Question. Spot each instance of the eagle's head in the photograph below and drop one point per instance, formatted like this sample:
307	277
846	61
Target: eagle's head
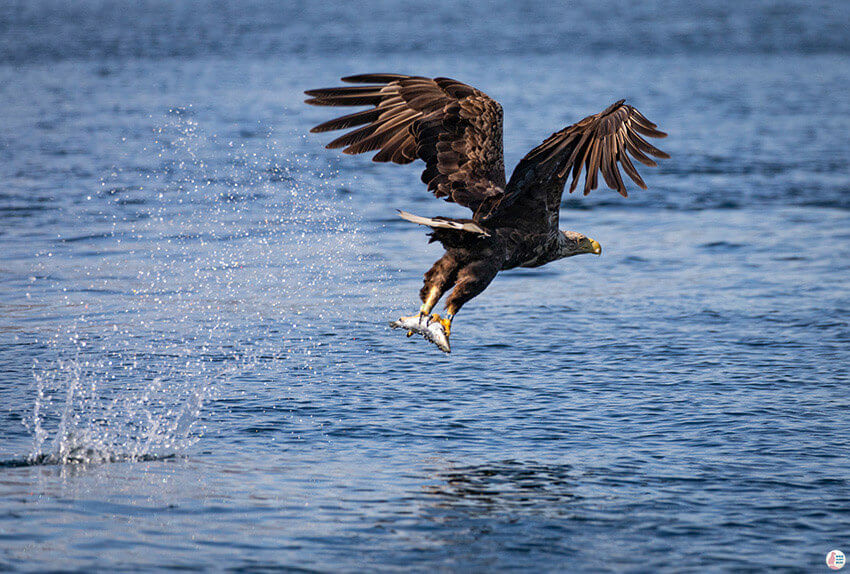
573	243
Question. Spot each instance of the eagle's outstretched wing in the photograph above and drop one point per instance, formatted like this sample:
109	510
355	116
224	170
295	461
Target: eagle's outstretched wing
598	143
454	128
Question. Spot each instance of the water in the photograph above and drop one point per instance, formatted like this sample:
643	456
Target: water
195	367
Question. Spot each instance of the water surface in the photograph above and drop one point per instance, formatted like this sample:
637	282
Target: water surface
195	367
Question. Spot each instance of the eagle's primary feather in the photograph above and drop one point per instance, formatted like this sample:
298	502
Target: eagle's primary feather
454	128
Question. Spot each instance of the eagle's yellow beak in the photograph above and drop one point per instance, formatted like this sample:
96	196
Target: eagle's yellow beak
596	249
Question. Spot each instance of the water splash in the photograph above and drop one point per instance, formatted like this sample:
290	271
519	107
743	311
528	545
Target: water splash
196	275
77	419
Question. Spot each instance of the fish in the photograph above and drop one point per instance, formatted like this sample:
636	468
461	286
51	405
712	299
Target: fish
428	327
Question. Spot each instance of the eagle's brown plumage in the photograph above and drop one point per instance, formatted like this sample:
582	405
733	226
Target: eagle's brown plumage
457	131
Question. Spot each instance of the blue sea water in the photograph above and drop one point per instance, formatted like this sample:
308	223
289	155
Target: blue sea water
196	371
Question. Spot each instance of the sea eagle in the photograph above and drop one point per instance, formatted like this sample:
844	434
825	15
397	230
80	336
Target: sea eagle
457	131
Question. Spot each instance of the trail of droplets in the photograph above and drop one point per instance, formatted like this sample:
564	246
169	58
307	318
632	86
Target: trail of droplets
188	285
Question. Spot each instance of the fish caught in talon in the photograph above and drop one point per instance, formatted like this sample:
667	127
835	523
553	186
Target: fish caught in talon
457	131
432	329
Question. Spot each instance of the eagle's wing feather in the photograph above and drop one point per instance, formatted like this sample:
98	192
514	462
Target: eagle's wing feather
598	143
454	128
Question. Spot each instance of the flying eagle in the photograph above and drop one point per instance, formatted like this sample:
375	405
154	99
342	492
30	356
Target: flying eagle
457	131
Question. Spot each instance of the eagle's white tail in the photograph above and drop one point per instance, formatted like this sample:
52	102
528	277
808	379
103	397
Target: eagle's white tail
444	223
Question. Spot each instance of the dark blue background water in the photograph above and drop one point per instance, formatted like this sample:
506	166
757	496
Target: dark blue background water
194	297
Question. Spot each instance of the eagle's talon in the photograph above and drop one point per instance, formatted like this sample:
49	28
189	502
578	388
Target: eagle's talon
447	325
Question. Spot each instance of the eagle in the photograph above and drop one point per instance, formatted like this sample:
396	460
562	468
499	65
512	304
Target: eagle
456	130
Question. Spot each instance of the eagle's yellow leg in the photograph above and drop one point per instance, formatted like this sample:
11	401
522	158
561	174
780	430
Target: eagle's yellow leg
447	322
430	301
